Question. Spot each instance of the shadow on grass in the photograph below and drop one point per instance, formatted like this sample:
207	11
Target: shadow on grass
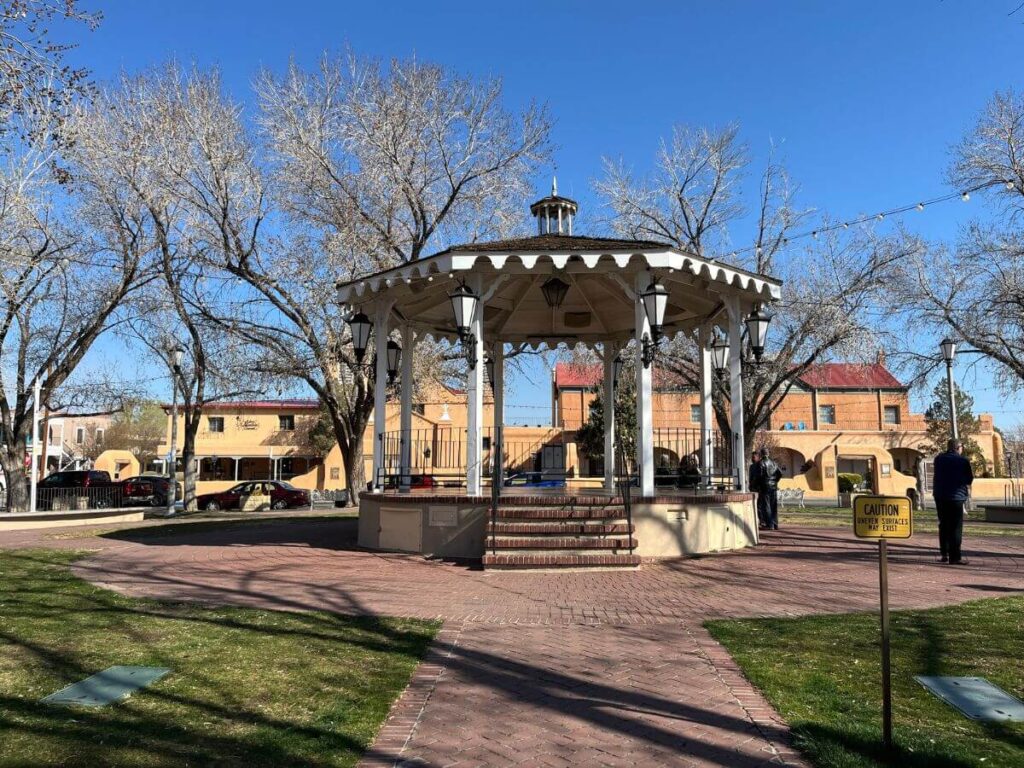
833	746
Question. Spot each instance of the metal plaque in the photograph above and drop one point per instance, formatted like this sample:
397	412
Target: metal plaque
882	517
975	697
110	685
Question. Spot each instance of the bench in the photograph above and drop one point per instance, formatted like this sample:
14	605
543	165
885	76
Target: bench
791	496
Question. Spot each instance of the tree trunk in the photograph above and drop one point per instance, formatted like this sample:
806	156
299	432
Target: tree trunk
188	450
355	476
13	462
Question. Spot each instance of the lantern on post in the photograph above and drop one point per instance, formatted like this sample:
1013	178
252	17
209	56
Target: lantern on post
655	301
361	327
617	364
394	359
720	353
757	331
464	307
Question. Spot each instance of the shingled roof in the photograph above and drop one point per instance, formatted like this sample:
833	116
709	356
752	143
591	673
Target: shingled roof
558	244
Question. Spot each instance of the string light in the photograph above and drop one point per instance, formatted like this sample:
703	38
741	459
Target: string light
966	196
920	206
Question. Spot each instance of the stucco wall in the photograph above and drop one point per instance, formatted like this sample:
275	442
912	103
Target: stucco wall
677	530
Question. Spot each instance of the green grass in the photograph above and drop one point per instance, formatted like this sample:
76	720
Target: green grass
924	521
248	687
822	673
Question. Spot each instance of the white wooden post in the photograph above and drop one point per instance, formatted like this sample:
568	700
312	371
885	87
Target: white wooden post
380	394
707	427
498	385
610	351
405	417
475	397
644	392
739	451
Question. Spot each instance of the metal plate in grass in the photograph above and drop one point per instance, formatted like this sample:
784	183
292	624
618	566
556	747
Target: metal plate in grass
976	697
110	685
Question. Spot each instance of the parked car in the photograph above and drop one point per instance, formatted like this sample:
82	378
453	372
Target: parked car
76	489
534	480
416	482
282	496
147	489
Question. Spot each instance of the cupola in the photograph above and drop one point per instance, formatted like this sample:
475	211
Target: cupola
554	214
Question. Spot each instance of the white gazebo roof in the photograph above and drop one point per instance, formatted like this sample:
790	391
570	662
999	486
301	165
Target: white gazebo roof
599	305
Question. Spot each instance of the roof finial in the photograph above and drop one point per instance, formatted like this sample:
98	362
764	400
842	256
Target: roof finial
554	186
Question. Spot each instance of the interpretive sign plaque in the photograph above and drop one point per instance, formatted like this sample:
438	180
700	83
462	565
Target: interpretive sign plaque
882	517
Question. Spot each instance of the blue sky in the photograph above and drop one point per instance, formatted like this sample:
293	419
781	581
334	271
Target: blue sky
863	98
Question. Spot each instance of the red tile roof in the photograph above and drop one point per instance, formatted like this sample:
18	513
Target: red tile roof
586	376
850	376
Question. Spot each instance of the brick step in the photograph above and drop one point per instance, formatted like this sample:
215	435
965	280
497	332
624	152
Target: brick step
512	561
559	513
558	501
567	543
558	528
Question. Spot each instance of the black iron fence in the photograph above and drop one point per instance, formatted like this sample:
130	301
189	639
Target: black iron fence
437	458
86	497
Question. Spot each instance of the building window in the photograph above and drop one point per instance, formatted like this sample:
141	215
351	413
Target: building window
485	443
419	408
286	421
335	473
826	414
99	437
891	414
79	435
216	423
695	414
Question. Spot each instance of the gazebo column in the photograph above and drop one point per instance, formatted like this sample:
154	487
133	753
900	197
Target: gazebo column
739	451
498	389
610	350
380	392
707	427
644	393
475	397
405	416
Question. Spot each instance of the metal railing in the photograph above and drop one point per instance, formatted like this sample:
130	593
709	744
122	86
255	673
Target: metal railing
86	497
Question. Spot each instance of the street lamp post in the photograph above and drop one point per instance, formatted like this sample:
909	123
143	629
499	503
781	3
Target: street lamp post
948	347
172	489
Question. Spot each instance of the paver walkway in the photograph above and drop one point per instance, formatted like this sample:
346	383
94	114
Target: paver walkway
556	669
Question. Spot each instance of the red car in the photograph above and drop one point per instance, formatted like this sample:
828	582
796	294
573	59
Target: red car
147	489
282	496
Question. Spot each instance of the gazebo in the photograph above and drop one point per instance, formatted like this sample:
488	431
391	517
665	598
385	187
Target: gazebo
555	288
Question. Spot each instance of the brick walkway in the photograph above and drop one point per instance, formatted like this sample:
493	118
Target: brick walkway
556	669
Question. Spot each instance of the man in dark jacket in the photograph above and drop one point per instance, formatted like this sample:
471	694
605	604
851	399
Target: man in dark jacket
754	483
769	489
951	489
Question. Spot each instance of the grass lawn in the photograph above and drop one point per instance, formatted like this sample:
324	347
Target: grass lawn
924	521
247	688
823	675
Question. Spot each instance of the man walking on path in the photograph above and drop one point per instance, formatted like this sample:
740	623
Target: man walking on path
768	486
952	486
754	483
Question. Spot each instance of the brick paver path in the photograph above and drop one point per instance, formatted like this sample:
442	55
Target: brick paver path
555	669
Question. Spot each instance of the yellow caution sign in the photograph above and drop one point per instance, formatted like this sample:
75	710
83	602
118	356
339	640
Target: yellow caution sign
882	517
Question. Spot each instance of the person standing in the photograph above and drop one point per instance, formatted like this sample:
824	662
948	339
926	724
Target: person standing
770	476
951	489
754	483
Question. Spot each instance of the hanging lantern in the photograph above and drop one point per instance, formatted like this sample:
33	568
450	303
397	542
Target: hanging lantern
655	300
394	358
554	291
361	326
464	303
617	364
720	352
489	368
757	331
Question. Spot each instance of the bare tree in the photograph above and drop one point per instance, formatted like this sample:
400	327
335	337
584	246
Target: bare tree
974	291
135	144
370	167
692	200
32	67
62	279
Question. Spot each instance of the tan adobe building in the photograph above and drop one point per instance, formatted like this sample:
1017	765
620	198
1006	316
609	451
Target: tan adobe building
837	418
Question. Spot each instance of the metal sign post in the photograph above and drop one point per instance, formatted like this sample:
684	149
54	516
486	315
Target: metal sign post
884	518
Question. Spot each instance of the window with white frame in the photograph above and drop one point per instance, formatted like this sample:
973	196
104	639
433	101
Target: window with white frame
215	423
891	414
695	413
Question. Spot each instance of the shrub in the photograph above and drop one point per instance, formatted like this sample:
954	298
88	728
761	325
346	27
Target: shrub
848	481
